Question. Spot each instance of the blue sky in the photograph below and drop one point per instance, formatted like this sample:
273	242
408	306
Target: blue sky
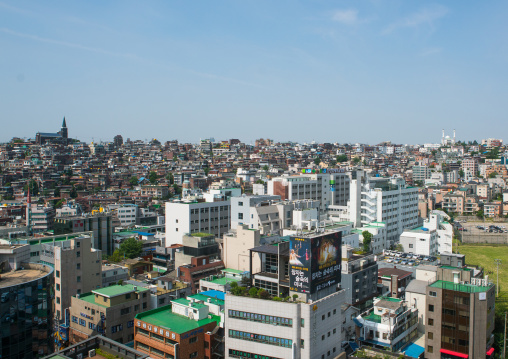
334	71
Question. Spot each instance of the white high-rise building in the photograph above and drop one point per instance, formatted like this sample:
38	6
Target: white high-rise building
192	217
385	200
331	189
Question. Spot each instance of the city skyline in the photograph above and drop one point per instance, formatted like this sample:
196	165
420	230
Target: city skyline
342	72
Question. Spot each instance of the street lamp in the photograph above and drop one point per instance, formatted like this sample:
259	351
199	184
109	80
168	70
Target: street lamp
498	263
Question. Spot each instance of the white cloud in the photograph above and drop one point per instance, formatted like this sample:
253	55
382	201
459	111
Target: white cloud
425	16
347	17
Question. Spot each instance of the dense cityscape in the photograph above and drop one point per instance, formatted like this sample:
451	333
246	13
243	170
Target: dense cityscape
222	249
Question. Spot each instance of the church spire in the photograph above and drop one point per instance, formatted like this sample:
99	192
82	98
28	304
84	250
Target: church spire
64	124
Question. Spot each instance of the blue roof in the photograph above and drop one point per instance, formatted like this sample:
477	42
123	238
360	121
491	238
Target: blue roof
357	322
214	294
141	179
144	233
354	346
414	351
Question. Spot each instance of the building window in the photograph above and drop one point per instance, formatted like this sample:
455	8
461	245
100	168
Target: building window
128	296
431	321
78	244
430	349
57	300
193	355
433	294
193	340
58	287
240	215
78	254
78	265
144	305
431	307
124	311
323	337
302	343
58	274
430	335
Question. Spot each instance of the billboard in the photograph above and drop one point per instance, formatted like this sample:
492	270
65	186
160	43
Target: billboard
314	263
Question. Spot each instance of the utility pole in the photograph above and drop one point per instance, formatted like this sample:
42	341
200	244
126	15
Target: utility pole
498	262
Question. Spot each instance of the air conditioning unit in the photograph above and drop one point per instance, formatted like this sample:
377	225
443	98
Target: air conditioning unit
91	353
79	356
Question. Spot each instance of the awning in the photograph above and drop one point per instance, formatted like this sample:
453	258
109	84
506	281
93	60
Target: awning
490	351
451	352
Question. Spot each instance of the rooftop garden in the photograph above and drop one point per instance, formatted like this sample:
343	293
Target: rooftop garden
201	234
254	292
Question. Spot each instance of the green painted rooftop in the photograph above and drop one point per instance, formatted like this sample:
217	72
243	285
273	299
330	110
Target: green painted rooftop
90	298
230	270
373	317
458	268
222	281
115	290
163	317
467	288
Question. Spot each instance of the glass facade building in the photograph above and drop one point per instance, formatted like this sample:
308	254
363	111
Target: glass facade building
26	312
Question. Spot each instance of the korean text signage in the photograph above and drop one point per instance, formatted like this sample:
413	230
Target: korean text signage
314	263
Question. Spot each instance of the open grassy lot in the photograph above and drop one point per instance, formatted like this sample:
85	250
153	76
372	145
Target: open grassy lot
483	255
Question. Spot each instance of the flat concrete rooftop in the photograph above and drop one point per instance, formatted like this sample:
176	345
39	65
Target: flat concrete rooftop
21	276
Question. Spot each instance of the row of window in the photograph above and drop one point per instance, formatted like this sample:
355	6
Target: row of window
240	354
260	318
265	339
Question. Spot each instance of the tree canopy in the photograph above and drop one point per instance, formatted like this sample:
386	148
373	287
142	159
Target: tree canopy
131	248
367	239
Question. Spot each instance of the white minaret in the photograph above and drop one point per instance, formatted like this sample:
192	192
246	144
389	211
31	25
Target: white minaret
442	139
453	136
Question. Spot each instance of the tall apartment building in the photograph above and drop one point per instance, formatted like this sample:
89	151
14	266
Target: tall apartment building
99	224
330	189
78	269
108	311
470	168
460	317
421	173
194	217
386	200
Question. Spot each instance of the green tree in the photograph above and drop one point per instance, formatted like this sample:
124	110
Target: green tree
367	239
260	181
170	178
479	214
461	173
152	177
34	187
493	175
57	192
207	170
131	248
263	294
399	248
115	257
317	161
341	158
133	181
253	292
332	163
356	160
73	193
266	168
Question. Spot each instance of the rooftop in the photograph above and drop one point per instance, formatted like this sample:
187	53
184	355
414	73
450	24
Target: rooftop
186	302
221	281
116	290
458	268
163	317
373	317
205	298
24	275
466	288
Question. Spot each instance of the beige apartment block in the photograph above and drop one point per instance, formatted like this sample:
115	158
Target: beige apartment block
108	311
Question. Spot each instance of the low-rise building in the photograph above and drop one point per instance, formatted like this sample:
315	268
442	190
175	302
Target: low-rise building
187	328
108	311
113	273
421	240
393	281
392	324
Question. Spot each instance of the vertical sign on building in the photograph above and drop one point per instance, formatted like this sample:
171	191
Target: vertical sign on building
314	262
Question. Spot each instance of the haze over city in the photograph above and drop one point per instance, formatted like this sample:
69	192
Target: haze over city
326	71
